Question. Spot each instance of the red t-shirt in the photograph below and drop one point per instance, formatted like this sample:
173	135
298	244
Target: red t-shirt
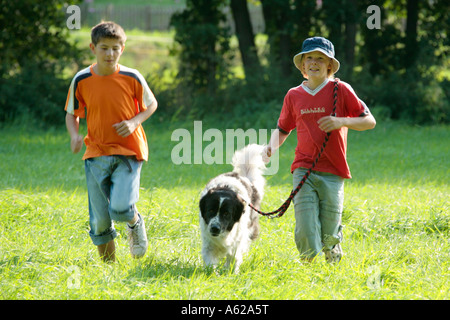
302	108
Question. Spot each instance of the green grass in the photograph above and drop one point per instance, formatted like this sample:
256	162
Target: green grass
395	240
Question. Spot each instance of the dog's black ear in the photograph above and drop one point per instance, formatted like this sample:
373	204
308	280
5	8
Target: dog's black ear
239	207
203	200
202	203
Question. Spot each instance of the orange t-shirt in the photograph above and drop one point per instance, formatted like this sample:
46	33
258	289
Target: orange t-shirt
107	100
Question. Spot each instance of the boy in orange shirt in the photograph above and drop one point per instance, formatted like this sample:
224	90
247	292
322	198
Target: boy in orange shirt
318	205
115	100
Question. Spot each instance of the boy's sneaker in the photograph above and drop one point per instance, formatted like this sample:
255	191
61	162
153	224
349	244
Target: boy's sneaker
332	249
137	238
334	255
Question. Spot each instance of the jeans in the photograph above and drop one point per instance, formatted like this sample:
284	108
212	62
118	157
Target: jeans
113	190
318	211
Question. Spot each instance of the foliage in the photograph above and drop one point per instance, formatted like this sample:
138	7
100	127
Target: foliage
400	69
203	45
287	26
36	94
35	50
409	82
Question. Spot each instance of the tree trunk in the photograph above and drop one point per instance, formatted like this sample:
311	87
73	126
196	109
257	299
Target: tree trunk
350	38
411	47
276	17
246	38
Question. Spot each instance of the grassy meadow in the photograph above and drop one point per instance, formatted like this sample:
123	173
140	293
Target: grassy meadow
395	240
396	217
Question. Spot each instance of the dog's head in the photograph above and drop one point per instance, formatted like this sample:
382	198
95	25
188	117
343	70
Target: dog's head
220	209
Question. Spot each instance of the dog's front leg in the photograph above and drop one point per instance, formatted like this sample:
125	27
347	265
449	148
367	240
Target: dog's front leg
209	259
234	260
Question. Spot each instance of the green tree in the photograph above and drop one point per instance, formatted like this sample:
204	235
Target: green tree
35	50
246	38
407	60
288	23
341	19
203	45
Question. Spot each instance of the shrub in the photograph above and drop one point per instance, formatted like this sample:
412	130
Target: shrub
35	94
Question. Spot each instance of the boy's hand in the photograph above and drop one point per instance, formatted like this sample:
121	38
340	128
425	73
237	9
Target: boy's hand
266	154
329	123
76	143
125	128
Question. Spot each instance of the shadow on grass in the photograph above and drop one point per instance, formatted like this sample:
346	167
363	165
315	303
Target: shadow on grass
176	269
173	268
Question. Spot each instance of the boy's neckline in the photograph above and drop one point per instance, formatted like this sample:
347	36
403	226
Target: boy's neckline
317	89
117	69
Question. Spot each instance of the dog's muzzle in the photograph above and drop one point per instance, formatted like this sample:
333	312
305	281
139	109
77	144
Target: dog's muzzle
214	229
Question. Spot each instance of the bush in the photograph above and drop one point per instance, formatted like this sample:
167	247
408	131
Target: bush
235	103
35	50
202	45
35	94
405	96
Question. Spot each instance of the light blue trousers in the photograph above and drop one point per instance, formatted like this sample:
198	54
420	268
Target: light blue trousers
318	211
113	189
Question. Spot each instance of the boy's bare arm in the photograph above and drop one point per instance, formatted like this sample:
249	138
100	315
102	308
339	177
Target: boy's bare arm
76	140
330	123
127	127
276	140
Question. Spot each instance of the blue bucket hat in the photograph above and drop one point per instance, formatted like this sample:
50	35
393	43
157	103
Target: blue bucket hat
317	44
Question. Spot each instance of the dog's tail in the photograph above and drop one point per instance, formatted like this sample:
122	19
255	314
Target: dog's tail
248	162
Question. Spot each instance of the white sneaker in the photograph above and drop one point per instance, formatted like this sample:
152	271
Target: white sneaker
334	255
137	238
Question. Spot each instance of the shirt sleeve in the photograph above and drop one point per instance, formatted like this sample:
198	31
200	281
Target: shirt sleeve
366	111
147	97
74	103
353	106
286	121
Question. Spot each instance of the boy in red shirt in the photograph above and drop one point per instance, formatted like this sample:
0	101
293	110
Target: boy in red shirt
318	205
115	100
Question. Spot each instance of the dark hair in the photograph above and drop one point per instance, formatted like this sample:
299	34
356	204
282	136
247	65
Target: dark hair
107	29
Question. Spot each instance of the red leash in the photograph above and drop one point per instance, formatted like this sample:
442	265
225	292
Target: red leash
281	210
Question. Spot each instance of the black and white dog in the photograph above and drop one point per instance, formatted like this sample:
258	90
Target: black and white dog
227	224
